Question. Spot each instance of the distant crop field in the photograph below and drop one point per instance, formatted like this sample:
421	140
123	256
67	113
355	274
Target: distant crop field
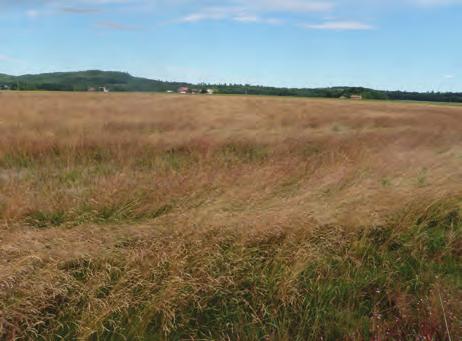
168	217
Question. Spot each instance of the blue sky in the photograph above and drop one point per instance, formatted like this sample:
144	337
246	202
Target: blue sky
383	44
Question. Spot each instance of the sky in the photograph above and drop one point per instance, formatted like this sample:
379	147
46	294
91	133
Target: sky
382	44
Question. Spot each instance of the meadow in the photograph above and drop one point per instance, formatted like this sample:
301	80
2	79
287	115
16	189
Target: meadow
168	217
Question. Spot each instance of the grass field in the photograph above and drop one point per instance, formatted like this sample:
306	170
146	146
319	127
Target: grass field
166	217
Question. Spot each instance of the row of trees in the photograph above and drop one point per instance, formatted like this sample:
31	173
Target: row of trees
119	81
337	92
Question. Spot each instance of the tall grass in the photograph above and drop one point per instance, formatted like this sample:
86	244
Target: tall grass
147	217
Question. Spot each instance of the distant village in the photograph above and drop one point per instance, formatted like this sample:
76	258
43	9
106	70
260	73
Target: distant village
100	89
184	90
181	90
355	97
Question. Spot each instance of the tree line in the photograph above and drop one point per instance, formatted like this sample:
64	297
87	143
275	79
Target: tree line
124	82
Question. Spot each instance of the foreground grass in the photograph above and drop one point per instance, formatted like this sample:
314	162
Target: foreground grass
223	218
401	280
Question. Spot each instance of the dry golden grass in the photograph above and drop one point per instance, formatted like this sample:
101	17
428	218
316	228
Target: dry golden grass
184	217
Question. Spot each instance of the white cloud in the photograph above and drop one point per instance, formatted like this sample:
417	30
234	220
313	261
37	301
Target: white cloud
339	26
32	13
256	19
242	11
211	13
288	5
256	10
232	14
449	76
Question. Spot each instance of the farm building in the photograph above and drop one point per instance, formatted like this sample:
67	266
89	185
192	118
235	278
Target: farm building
183	90
356	97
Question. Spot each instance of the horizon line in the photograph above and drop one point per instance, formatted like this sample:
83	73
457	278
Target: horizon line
233	83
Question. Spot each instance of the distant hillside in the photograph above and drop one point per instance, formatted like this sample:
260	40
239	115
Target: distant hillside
83	80
120	81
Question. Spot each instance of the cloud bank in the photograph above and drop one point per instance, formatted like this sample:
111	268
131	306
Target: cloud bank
307	14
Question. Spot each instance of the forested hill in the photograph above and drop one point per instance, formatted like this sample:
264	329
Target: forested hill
119	81
84	80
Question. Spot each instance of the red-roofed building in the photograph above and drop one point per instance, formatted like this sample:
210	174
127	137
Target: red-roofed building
183	90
